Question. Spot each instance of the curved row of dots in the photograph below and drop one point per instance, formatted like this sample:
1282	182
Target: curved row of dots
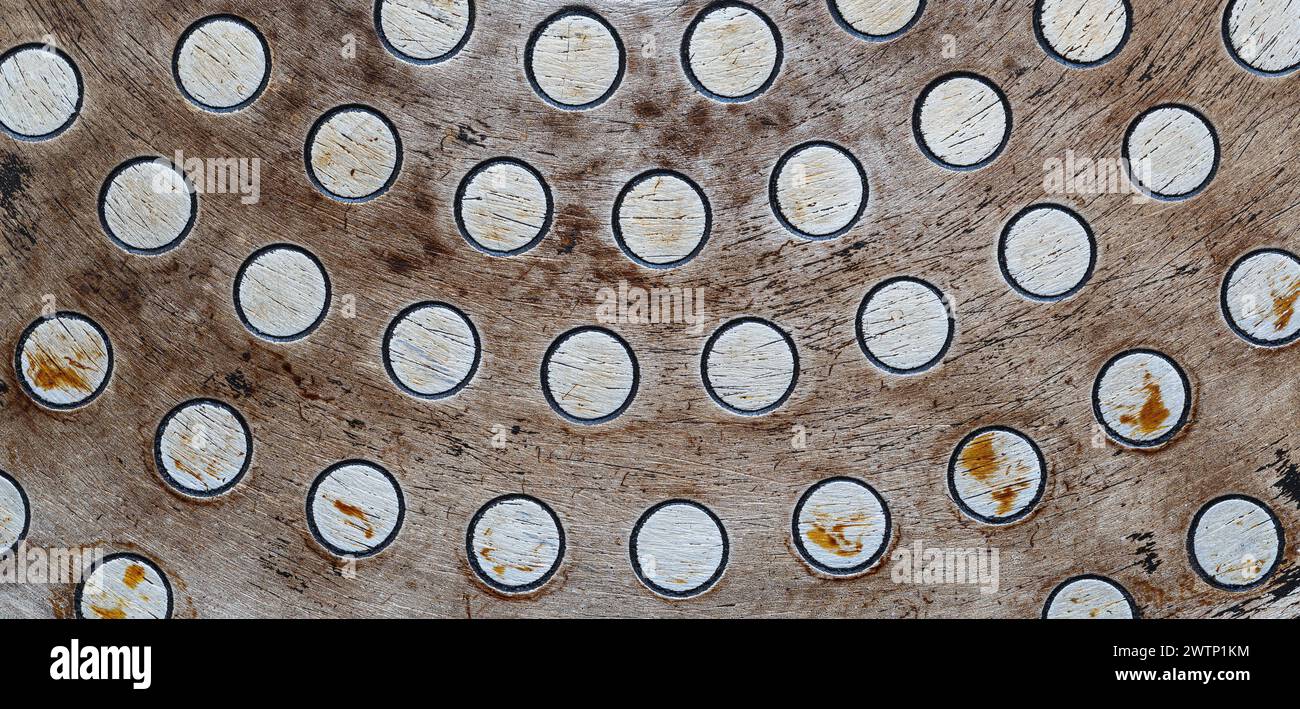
514	544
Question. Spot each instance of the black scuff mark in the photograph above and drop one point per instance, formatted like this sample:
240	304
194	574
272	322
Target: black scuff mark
1148	559
1288	472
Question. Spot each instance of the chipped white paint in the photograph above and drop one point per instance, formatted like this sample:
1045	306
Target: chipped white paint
431	350
355	508
575	59
1235	542
1261	297
125	586
354	153
877	19
222	63
749	366
1141	398
515	543
841	527
40	92
15	513
147	206
503	207
590	375
1172	152
1046	252
661	219
1088	597
203	448
818	190
962	121
904	326
65	360
678	549
732	50
1083	32
281	293
1264	34
424	31
996	475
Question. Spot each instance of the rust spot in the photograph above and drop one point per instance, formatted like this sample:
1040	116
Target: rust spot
1153	413
109	613
1006	496
1284	305
133	575
647	109
498	568
830	534
48	373
984	462
356	513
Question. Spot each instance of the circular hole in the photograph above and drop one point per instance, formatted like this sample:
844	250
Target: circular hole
503	207
876	20
996	475
661	219
1082	33
574	59
1142	398
203	448
1090	596
147	206
590	375
731	52
904	325
431	350
124	586
1263	36
222	63
679	548
282	293
749	366
15	514
355	508
515	543
1260	296
962	121
1235	542
63	361
818	190
40	92
424	31
1047	252
1171	152
841	526
353	153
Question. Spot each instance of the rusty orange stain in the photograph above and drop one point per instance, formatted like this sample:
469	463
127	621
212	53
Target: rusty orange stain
47	373
1153	413
109	613
133	575
1006	496
1284	305
829	534
983	461
356	513
499	568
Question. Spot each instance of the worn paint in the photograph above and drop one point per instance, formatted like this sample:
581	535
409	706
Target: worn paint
355	508
590	374
354	153
1082	31
818	189
877	18
65	360
1087	598
575	59
904	325
125	586
282	292
221	62
962	120
516	543
40	93
996	475
732	50
1141	397
1046	252
841	526
679	549
431	350
1172	152
147	205
424	31
1264	34
750	366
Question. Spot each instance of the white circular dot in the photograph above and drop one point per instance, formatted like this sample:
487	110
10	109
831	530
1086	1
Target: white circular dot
431	350
1261	297
15	514
503	207
125	586
424	31
589	375
731	51
679	549
1263	35
222	63
841	527
515	543
281	293
749	366
1082	32
661	219
355	508
1089	597
64	361
203	448
877	20
353	153
1141	398
1046	252
996	475
574	59
903	325
1235	542
1171	151
818	190
962	121
40	92
147	206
